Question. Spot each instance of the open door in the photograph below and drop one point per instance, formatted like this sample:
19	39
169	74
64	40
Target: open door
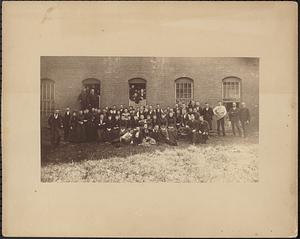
137	92
92	84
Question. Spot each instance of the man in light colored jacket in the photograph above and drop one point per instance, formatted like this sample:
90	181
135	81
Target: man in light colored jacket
220	112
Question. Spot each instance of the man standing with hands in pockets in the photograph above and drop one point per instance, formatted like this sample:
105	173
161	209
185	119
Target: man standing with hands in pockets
220	112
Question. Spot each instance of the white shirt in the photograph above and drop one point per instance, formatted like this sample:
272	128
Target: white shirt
220	111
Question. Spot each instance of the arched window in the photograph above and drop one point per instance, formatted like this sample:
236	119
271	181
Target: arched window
184	88
92	84
47	98
231	89
137	91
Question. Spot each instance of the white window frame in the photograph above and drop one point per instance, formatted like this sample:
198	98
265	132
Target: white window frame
232	79
183	80
47	95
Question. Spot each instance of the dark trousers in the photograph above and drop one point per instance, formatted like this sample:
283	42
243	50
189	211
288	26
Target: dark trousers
203	138
55	136
209	121
194	136
101	135
235	124
66	132
221	123
244	127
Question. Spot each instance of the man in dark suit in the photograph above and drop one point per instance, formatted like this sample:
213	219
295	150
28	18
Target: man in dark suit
198	108
93	100
66	124
244	118
192	104
109	128
55	123
193	126
83	99
196	113
234	117
121	109
203	130
101	124
208	113
158	111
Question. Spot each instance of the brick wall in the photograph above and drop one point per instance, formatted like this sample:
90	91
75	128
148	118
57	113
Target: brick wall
160	74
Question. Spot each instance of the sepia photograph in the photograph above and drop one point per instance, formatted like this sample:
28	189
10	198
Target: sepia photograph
149	119
168	119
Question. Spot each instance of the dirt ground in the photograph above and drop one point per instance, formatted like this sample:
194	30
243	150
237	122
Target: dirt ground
222	159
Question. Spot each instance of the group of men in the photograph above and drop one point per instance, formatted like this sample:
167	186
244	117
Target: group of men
136	93
146	124
88	99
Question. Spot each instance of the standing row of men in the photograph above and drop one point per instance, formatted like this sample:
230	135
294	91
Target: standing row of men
152	125
236	115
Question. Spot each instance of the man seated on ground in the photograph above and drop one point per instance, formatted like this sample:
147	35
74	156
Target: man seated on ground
193	126
142	120
203	130
146	134
167	136
116	127
155	121
156	134
126	135
109	128
172	127
134	122
123	137
137	137
183	131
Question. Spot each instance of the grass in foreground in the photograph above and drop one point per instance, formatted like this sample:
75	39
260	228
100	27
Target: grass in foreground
226	159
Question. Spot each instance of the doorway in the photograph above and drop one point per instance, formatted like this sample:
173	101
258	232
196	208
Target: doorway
93	86
137	92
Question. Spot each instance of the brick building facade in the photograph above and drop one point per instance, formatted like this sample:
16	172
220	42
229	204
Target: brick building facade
209	79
